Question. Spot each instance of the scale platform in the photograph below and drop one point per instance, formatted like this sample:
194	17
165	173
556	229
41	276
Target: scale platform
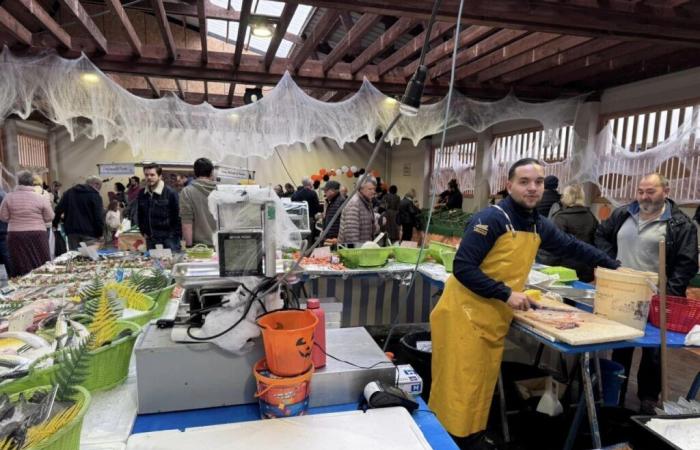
177	377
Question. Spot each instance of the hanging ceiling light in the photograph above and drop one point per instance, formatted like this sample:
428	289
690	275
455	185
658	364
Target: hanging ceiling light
89	78
261	26
252	95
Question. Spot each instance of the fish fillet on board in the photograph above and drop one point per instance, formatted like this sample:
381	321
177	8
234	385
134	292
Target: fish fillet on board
574	326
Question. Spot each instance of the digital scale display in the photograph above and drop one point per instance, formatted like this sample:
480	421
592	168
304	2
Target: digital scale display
240	253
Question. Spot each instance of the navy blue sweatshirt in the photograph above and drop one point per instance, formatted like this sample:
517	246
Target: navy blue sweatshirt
475	246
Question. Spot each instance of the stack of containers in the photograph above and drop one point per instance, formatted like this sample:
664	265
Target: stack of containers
284	375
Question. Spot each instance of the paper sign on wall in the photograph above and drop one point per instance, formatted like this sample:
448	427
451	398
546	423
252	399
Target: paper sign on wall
116	169
407	169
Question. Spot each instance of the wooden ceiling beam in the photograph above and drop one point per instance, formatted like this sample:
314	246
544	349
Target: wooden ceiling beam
131	36
554	73
399	28
87	23
466	38
558	60
242	27
346	21
216	100
280	29
325	25
363	25
180	91
539	15
505	53
231	92
488	45
553	47
40	14
203	30
413	46
154	89
16	29
164	26
337	96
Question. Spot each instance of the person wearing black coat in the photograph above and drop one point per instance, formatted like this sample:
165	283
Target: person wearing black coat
83	213
578	220
333	201
308	195
409	215
550	196
159	211
631	234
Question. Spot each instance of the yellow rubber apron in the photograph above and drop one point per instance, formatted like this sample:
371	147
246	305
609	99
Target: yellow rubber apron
468	334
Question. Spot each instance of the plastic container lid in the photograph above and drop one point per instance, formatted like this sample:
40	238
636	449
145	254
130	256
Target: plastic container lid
312	303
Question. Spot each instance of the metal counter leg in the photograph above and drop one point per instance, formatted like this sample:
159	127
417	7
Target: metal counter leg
598	377
504	416
590	399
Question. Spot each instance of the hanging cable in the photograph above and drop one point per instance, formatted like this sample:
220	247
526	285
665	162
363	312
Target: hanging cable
283	165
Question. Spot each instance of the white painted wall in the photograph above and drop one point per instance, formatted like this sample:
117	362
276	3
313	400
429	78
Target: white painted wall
410	168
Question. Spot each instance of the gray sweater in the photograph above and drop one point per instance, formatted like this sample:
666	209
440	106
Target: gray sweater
194	209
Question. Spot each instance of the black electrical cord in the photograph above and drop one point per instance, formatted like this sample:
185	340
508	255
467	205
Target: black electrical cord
348	362
433	186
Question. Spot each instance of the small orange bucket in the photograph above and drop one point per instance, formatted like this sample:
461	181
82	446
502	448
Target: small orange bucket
288	337
281	396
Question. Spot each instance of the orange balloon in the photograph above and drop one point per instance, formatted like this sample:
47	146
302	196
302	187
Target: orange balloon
322	172
375	173
332	173
349	174
314	177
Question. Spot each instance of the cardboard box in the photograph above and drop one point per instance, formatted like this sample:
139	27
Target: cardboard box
408	380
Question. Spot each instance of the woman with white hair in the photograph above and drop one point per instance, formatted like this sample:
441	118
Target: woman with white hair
26	214
576	218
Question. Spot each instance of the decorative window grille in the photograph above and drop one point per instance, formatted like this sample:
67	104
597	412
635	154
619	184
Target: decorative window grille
456	161
33	152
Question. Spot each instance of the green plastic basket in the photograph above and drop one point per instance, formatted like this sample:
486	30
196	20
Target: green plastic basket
365	257
161	298
68	437
565	274
149	313
436	248
200	251
409	255
448	259
109	365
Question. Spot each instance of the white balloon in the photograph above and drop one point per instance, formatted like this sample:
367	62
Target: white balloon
344	169
353	168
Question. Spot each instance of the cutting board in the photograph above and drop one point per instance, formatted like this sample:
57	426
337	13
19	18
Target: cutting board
590	329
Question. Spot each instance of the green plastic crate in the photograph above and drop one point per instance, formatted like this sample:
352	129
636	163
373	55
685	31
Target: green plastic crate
68	437
409	255
365	257
448	259
161	298
565	274
436	248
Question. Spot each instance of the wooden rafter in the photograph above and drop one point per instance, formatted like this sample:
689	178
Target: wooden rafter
554	47
346	20
203	33
180	91
47	22
491	43
231	91
164	26
363	25
153	87
16	29
560	59
87	23
327	23
504	53
594	19
466	38
206	91
337	96
413	47
280	30
394	32
216	100
242	26
131	36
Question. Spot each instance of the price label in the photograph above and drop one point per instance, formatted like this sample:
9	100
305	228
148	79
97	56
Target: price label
160	253
321	252
410	244
90	252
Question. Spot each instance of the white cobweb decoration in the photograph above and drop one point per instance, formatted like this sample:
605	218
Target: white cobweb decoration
74	93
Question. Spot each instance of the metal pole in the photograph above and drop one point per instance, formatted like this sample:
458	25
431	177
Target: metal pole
590	400
662	302
502	401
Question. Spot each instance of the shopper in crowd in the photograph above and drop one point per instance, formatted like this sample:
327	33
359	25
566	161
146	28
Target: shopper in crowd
55	191
4	254
550	197
357	224
576	218
631	235
470	322
308	195
26	215
696	217
159	211
39	188
452	197
198	225
112	219
279	191
344	191
83	213
333	202
391	205
288	190
120	194
133	188
409	215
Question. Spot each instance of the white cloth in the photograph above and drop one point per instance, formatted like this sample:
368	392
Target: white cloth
693	337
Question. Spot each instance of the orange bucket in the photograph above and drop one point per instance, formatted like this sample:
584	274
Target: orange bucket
281	396
288	336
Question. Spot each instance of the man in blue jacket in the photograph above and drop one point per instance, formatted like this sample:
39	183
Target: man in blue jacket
159	211
470	322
